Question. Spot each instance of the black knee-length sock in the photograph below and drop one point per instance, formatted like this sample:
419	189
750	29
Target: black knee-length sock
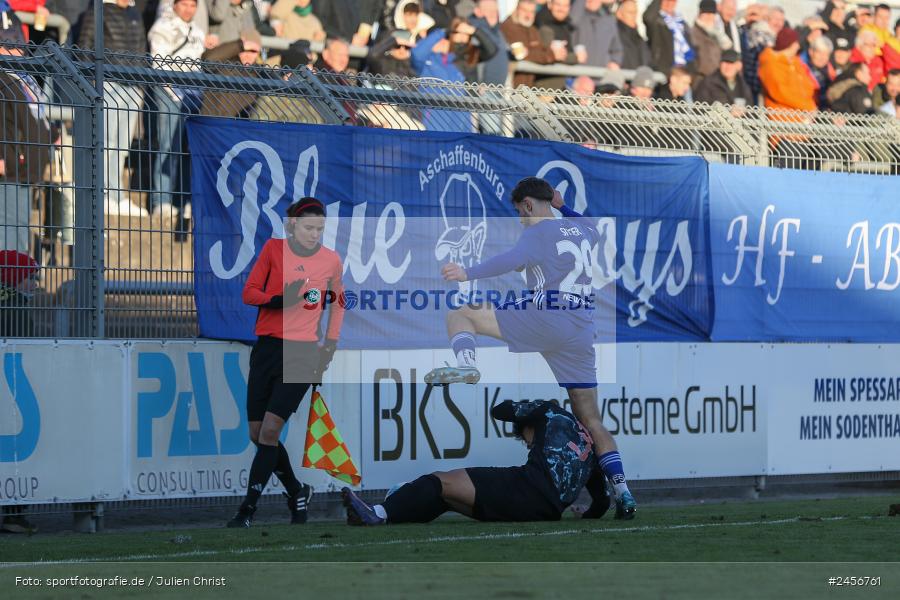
260	471
285	472
418	501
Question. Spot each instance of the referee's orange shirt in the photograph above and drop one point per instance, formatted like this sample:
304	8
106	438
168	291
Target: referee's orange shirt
278	266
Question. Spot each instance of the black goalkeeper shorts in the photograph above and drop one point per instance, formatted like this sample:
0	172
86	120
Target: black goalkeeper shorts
266	388
514	494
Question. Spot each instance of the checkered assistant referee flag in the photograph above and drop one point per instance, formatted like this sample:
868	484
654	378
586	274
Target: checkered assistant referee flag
325	448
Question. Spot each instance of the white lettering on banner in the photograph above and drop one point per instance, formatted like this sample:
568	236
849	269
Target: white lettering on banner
891	255
379	259
783	253
888	238
306	181
459	157
572	172
250	210
742	248
646	285
859	262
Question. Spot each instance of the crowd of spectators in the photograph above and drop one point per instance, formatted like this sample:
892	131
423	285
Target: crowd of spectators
840	59
780	64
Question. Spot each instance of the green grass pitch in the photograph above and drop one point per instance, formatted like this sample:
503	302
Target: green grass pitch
720	550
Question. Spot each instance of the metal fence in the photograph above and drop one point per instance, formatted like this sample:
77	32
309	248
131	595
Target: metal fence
97	170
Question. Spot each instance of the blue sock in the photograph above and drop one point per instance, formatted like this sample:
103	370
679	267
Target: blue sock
463	346
611	465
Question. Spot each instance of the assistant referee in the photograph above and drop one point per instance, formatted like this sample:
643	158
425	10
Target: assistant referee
292	282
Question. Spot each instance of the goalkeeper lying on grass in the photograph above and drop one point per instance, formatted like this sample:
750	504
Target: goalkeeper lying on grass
560	462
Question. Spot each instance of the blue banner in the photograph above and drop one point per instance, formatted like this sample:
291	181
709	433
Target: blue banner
402	204
801	256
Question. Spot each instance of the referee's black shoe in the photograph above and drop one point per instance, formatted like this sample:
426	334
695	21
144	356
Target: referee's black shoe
298	504
242	518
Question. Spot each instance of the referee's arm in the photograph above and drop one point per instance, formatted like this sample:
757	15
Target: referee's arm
254	292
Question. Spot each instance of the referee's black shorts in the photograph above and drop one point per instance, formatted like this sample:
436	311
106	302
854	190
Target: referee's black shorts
514	494
266	388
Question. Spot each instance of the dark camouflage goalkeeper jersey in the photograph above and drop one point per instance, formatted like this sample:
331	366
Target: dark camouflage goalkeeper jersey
561	446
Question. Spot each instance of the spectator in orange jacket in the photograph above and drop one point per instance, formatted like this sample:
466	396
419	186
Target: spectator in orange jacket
787	82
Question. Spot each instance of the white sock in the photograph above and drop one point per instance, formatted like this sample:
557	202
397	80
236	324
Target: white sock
465	359
620	488
379	510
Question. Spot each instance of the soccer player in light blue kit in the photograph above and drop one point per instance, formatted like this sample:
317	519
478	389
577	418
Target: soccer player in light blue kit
557	320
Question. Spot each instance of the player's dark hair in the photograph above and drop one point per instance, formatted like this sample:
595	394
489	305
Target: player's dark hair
532	187
883	7
306	206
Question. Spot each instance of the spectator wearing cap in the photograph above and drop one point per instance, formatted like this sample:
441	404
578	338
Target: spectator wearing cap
298	20
886	93
669	36
725	85
635	51
611	84
597	32
643	83
123	32
391	54
24	141
840	55
818	59
18	281
178	37
525	41
242	52
866	51
613	133
727	23
486	19
678	87
786	81
850	93
708	41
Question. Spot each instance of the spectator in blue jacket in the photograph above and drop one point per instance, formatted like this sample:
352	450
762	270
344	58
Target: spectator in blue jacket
486	18
431	57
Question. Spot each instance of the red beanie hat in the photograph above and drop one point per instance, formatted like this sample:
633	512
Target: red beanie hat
786	37
16	267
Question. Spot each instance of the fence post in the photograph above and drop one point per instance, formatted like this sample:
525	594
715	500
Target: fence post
87	178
